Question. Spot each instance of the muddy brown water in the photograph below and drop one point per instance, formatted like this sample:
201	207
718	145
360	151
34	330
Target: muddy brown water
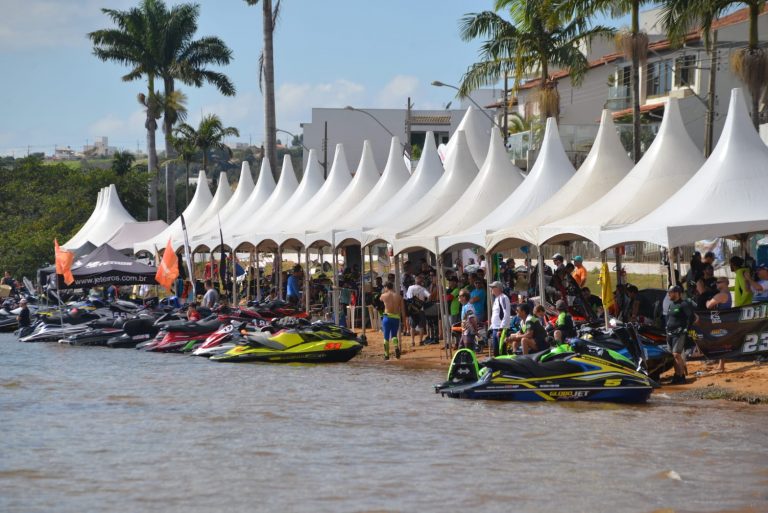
95	429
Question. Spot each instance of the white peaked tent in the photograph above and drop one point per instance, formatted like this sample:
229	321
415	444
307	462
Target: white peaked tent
606	164
311	183
209	228
111	217
393	179
196	207
727	196
550	172
460	170
427	174
253	226
262	191
196	227
131	233
495	181
365	179
339	178
477	128
80	237
669	163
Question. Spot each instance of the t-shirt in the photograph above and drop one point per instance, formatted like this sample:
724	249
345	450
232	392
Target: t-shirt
418	292
565	324
761	295
480	306
679	316
210	298
580	275
501	312
292	287
533	325
24	320
467	312
455	303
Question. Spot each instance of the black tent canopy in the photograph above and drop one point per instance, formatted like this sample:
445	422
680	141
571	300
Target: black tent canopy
105	266
82	251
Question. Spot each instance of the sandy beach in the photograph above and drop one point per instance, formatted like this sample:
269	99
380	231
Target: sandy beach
742	381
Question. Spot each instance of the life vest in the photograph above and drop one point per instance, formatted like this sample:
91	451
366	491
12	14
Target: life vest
742	294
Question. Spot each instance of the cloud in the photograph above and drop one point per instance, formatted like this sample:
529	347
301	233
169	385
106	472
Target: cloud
396	91
121	129
29	24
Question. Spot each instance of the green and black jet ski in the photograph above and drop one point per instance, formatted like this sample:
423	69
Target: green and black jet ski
569	372
319	342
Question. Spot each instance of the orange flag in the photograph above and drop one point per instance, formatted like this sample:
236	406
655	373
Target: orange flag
64	260
168	270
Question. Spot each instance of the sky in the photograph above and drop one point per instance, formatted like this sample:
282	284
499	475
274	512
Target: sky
328	53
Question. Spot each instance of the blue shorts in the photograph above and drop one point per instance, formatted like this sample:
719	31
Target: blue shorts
390	326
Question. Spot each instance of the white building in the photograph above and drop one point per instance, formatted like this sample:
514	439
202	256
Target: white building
99	148
682	73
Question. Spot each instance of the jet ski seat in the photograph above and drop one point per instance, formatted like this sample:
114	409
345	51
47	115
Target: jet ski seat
527	367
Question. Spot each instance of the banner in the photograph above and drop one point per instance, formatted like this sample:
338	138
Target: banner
733	333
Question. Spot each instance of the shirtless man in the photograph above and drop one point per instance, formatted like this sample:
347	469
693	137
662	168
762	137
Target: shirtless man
390	322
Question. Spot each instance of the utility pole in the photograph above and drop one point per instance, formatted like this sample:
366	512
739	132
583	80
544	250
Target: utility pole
505	124
710	121
408	145
325	152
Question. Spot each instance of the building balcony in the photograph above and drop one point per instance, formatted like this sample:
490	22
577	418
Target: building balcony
619	97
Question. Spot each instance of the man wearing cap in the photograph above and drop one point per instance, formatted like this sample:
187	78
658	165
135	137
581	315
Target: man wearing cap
558	274
564	322
501	315
579	272
680	318
23	317
758	286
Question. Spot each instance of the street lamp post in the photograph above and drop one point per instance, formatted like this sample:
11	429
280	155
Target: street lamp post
437	83
324	164
405	150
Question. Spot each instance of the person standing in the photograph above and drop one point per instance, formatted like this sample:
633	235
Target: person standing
478	297
293	288
579	273
501	315
211	296
390	321
680	318
24	317
178	288
468	321
416	295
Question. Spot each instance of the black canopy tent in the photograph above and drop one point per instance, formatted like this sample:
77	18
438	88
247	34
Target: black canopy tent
82	251
105	266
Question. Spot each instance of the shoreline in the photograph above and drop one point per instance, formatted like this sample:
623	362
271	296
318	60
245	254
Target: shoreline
741	381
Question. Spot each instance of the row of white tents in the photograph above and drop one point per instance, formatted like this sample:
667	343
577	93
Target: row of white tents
477	197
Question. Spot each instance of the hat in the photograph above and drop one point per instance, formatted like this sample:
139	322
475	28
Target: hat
557	256
561	305
578	258
497	284
675	288
761	266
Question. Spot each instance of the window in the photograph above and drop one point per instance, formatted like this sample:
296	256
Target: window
659	78
685	71
624	77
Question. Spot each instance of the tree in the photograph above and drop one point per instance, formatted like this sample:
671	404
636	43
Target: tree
267	77
750	64
122	162
185	151
540	34
136	43
187	60
210	134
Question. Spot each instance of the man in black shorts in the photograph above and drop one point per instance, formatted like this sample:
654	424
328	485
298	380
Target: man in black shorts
680	318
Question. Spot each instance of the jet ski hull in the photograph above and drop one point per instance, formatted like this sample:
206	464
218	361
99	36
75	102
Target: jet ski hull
567	377
316	352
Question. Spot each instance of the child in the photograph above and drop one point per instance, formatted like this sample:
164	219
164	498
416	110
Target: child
468	321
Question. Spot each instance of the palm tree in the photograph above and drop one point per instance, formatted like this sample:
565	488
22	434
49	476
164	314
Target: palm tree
540	34
122	162
185	151
750	64
267	77
134	43
632	42
186	59
210	134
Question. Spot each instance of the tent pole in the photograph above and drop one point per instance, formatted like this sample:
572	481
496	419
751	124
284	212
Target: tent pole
258	278
335	295
604	258
447	346
678	265
279	267
488	303
307	277
363	338
619	281
234	279
542	285
250	278
399	290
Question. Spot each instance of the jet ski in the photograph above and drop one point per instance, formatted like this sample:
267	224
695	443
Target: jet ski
656	355
319	342
177	336
54	327
138	330
569	372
